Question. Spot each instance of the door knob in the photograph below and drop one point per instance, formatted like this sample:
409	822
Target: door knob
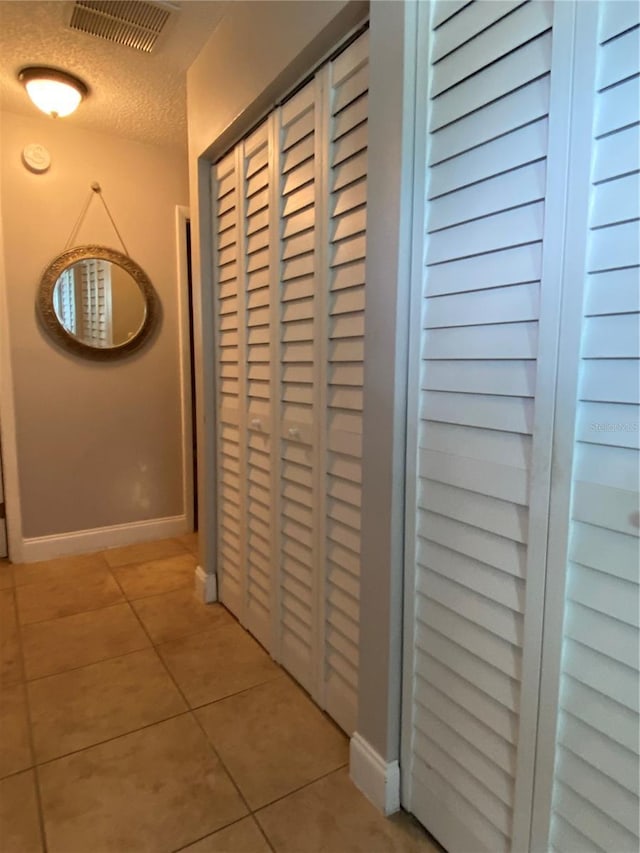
256	423
294	432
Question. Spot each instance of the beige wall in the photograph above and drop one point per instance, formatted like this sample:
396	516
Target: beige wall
97	444
254	56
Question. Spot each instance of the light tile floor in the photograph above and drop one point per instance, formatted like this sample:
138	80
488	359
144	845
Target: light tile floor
135	718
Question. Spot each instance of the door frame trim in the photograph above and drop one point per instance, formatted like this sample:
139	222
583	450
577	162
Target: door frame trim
182	283
9	446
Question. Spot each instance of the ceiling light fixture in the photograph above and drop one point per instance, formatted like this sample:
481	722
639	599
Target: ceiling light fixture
53	91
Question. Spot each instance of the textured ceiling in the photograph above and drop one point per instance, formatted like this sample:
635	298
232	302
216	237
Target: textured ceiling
137	95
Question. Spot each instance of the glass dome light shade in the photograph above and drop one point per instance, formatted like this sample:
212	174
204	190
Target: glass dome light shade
54	92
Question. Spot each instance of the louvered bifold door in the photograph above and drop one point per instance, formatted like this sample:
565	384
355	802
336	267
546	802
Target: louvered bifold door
594	804
258	287
347	178
299	387
486	95
229	383
289	278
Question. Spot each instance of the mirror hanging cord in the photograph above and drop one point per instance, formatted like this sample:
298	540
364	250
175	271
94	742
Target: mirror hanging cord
96	189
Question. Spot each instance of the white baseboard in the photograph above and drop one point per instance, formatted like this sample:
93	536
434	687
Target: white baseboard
205	586
100	538
379	780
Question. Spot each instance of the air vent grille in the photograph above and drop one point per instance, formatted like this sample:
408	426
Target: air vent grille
134	23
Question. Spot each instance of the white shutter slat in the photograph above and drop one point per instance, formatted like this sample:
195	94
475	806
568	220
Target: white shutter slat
613	292
350	144
513	149
489	341
513	71
487	478
468	23
500	553
487	807
486	445
622	100
609	636
444	9
516	303
487	121
459	598
491	514
488	234
298	386
607	423
498	37
225	191
616	154
605	550
495	748
511	377
462	693
616	201
596	764
350	117
350	60
348	81
475	639
512	111
493	269
350	88
575	811
509	414
488	197
596	788
599	712
615	18
596	383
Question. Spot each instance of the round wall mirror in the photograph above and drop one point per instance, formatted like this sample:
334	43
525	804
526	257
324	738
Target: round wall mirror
97	302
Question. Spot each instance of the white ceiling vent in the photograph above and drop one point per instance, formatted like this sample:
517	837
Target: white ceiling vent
134	23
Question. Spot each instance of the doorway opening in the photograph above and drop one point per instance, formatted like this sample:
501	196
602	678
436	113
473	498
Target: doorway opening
192	377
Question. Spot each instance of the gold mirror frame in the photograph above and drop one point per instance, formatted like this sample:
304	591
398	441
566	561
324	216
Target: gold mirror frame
52	325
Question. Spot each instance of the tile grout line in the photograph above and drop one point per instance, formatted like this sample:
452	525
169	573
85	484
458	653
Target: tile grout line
70	615
84	665
89	572
197	722
181	713
125	598
110	739
235	693
253	813
209	834
34	767
299	788
152	560
230	775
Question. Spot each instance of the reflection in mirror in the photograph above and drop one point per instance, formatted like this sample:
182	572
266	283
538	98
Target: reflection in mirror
99	303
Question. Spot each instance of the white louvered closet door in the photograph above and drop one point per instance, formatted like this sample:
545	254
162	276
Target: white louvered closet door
241	184
468	731
347	176
594	801
290	225
299	387
230	383
258	404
